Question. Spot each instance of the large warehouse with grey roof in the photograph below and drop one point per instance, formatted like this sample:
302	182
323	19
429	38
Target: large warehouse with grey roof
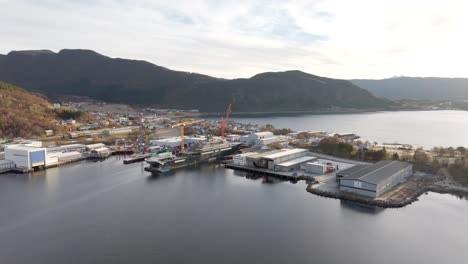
374	180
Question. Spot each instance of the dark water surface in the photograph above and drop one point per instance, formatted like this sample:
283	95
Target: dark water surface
422	128
106	212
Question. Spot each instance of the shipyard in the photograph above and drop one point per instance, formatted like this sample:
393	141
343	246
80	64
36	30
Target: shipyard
167	140
233	132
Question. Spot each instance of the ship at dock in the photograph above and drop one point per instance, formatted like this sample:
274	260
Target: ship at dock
207	151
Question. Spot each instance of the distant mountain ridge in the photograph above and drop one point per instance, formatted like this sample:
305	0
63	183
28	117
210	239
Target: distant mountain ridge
417	88
136	82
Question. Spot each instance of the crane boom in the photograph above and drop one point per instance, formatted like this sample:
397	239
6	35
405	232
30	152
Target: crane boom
224	122
182	126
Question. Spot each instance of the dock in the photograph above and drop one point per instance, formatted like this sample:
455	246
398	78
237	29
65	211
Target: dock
60	163
136	158
16	170
267	172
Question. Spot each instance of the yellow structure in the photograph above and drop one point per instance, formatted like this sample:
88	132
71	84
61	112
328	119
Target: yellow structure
182	126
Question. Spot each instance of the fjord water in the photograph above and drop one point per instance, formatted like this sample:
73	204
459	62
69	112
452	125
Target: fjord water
423	128
106	212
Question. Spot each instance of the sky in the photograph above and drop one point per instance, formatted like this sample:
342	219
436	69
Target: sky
237	39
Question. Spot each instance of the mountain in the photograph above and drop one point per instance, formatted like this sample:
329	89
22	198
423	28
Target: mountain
417	88
23	114
282	92
87	73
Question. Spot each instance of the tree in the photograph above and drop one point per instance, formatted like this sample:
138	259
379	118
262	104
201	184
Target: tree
268	127
281	131
275	145
461	150
395	156
334	146
451	151
134	135
421	157
303	135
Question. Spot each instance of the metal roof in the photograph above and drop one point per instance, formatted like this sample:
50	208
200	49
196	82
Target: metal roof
377	172
296	161
262	154
247	154
265	133
25	148
284	153
352	170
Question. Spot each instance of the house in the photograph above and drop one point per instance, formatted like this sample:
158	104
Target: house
71	121
48	132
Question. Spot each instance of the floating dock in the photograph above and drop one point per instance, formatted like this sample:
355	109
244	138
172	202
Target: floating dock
136	158
267	172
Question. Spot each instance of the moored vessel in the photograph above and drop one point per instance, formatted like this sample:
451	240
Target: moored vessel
210	150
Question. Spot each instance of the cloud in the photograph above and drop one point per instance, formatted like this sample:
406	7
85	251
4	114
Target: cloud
273	22
174	15
335	38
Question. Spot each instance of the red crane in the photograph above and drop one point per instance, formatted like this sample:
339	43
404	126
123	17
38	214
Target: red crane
224	122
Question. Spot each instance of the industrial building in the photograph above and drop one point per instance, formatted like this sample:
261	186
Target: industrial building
29	156
233	137
241	159
374	180
176	141
121	130
349	171
69	156
6	165
315	167
92	147
285	160
284	155
67	148
25	156
260	138
294	164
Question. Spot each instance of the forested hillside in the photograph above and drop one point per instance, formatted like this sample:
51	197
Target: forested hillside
23	114
87	73
434	89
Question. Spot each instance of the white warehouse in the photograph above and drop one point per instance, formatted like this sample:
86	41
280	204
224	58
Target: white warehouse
260	138
241	159
26	157
294	164
284	155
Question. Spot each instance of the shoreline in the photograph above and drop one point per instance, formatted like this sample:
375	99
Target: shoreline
317	112
453	190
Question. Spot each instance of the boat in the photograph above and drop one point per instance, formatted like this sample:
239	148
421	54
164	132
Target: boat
206	151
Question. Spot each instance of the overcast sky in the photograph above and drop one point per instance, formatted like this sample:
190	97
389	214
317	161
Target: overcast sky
333	38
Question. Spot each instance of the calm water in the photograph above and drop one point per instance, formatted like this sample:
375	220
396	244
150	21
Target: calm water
423	128
106	212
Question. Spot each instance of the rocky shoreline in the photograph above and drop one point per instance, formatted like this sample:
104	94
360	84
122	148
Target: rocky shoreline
389	203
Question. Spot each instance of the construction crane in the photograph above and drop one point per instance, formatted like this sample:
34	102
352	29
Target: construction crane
182	126
224	122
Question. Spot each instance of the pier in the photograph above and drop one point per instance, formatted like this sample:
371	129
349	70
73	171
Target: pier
267	172
136	158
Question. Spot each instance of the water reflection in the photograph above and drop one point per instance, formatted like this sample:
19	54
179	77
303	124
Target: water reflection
265	179
361	208
154	177
212	216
